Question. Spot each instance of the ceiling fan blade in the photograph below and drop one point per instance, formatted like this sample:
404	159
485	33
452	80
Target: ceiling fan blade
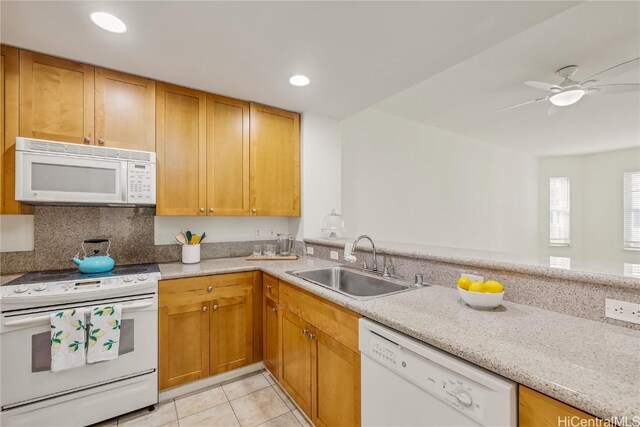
616	70
617	88
552	110
520	104
542	85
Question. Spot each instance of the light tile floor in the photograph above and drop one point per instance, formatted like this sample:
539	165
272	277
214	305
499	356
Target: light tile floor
253	400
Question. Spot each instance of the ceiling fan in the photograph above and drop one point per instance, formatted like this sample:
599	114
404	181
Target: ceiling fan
570	91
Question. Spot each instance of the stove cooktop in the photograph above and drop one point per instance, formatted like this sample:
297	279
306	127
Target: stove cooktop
65	275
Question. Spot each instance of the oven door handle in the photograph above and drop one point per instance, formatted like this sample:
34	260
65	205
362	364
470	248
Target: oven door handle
37	320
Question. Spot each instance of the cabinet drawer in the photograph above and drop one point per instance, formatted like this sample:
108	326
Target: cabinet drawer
270	287
193	289
337	322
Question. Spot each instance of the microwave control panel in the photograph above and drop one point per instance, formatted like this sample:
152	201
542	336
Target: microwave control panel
141	183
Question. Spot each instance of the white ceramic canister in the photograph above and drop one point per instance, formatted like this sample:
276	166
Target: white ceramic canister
190	254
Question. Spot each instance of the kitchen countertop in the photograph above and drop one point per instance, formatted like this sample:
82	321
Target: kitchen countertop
600	272
591	365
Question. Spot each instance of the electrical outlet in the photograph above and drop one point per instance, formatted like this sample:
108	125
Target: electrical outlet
333	255
257	233
271	233
309	250
622	310
473	277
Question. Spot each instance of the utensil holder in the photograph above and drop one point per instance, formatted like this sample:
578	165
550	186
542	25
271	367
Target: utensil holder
190	254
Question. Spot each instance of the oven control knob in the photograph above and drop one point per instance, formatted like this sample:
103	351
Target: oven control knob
464	398
21	289
142	277
41	287
127	279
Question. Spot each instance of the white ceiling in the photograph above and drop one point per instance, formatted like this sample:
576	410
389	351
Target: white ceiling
593	35
356	53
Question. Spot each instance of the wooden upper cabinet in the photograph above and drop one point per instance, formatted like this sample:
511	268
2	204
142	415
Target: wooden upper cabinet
538	410
125	111
9	106
227	156
56	98
275	162
181	151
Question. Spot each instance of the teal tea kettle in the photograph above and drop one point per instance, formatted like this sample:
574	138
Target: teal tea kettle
94	263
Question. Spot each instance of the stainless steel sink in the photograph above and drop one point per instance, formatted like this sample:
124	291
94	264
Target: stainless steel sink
352	282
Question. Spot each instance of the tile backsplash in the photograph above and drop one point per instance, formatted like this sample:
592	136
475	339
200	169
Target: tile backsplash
59	232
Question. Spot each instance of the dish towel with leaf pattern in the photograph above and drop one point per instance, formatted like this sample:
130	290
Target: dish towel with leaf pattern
67	339
104	332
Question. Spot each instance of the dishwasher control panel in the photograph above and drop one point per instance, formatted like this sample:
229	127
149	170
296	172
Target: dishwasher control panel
460	392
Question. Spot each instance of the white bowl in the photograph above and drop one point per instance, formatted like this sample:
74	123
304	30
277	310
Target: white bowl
480	300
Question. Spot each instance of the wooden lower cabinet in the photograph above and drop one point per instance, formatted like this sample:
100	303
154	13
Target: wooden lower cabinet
231	328
206	326
271	337
538	410
319	369
183	343
296	361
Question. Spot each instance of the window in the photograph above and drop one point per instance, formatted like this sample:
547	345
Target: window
560	262
559	221
632	210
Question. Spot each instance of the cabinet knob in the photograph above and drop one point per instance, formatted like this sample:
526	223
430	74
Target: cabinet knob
87	140
254	210
205	308
101	141
274	309
269	287
211	210
305	331
311	336
215	306
210	288
201	209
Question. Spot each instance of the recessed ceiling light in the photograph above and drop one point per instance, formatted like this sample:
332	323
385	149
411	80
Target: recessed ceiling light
108	22
299	80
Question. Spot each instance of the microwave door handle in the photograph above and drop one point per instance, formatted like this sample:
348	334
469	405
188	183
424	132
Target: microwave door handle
44	319
124	179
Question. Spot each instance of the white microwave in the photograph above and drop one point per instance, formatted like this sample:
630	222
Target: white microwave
59	173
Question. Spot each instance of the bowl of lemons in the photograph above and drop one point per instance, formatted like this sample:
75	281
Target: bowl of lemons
483	295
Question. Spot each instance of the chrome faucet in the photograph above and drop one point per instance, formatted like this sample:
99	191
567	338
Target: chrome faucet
353	250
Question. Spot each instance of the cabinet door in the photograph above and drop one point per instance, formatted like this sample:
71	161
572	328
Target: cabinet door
537	410
9	106
335	367
271	338
275	162
295	372
227	156
125	113
183	343
231	329
181	146
56	98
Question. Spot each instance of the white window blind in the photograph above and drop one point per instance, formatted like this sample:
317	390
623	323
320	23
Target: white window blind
632	210
559	215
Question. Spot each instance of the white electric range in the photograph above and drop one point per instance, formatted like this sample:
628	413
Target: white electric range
32	395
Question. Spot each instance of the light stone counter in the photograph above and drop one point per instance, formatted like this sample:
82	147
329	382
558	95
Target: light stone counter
587	364
7	278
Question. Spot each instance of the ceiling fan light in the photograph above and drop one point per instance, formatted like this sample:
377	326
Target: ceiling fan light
562	99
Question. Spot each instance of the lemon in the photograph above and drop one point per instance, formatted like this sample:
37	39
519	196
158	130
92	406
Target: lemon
464	283
476	287
493	287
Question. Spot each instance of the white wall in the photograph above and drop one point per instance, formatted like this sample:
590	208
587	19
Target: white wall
404	181
321	174
596	204
16	233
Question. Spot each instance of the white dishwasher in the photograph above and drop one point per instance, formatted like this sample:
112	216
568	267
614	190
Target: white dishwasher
406	382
